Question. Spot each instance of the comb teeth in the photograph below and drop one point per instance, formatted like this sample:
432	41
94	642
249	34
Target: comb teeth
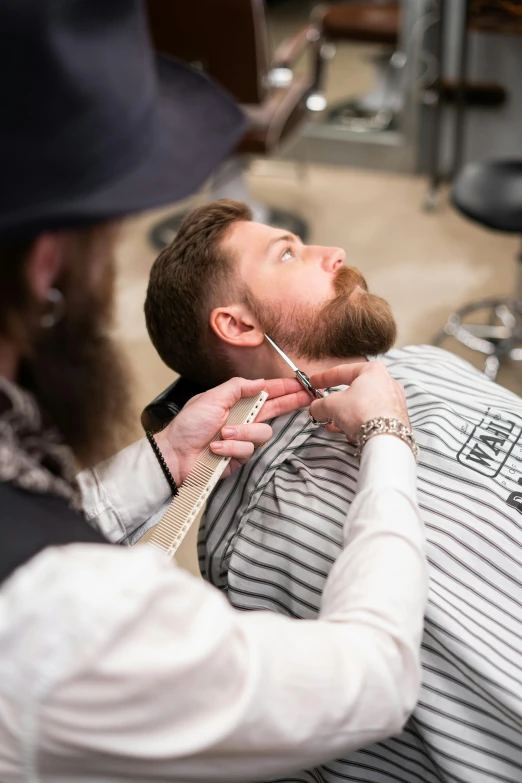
186	505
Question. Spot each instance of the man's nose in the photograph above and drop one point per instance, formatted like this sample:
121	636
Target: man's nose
333	258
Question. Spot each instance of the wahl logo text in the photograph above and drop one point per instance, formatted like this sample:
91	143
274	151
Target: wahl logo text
491	442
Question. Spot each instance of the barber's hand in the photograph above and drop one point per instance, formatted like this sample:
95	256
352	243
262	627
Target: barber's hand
203	417
373	392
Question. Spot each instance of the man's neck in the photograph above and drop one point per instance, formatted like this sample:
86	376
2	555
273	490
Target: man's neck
326	364
264	362
9	359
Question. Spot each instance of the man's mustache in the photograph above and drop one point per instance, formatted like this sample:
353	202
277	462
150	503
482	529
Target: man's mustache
346	279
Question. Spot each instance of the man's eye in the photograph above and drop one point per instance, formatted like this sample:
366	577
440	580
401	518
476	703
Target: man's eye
287	254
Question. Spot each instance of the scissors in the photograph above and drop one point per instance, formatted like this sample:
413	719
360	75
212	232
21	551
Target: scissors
303	379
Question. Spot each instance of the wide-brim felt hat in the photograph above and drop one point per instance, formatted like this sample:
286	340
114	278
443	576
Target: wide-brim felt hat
93	124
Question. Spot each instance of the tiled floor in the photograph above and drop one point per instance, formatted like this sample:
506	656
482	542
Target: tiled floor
424	264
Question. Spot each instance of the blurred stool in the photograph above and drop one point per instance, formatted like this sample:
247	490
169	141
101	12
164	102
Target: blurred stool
227	39
371	23
490	193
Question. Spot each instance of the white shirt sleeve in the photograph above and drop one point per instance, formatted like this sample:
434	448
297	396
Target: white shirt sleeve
151	675
125	494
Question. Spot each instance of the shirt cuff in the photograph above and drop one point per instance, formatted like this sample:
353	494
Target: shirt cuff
387	461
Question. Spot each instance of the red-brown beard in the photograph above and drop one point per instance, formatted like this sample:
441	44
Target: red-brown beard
354	323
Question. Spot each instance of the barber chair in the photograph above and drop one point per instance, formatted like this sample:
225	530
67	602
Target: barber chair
168	404
372	23
228	40
490	193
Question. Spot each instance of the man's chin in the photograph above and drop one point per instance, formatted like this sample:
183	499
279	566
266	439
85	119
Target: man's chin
362	325
353	324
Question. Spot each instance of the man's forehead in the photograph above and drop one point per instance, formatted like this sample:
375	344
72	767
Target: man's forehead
242	230
253	243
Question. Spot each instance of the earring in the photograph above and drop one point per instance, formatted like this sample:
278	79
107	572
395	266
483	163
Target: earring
56	309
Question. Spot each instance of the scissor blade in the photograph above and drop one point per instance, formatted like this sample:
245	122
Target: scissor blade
282	354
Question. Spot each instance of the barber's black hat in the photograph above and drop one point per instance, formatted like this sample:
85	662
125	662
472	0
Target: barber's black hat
92	125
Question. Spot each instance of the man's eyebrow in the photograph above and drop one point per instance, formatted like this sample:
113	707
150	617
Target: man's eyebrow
280	238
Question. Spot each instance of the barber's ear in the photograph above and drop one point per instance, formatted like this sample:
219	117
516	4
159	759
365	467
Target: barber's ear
44	263
235	325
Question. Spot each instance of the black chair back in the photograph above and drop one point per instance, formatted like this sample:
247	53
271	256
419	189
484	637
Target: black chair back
168	404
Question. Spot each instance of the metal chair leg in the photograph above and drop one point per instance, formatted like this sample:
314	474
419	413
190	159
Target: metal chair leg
499	338
491	367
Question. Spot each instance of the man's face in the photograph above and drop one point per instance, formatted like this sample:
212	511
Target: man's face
305	298
276	266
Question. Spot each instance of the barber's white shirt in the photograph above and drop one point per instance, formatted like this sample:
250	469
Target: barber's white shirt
115	665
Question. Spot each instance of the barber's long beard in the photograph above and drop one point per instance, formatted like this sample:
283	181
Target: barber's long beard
81	382
78	373
354	323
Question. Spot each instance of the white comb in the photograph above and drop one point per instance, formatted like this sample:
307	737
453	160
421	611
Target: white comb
186	505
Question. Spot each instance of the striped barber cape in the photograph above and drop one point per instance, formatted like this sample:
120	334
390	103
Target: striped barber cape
273	530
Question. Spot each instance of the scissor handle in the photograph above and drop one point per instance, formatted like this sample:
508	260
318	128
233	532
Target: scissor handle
304	380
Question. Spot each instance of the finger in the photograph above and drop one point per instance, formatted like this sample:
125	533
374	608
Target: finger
321	410
253	433
279	387
228	393
238	449
342	375
286	404
333	428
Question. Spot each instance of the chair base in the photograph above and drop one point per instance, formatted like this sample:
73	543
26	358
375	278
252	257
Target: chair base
378	109
499	336
356	118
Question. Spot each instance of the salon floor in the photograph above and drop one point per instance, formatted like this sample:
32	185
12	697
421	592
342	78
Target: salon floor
424	264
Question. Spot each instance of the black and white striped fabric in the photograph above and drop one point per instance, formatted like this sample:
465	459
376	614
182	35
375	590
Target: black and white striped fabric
273	530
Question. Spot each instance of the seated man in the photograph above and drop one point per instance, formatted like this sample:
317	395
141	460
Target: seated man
273	530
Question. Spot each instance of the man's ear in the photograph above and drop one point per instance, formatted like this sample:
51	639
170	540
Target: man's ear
236	326
44	263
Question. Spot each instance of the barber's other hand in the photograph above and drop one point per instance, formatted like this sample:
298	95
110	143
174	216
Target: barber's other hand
372	393
203	417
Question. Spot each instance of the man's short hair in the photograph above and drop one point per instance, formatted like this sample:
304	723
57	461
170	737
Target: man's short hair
188	279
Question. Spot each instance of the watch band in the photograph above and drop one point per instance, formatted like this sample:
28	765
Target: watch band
382	425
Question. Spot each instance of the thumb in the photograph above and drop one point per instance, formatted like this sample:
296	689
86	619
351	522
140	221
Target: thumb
342	375
319	409
228	393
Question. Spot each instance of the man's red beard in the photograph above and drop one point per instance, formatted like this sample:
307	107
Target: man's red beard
354	323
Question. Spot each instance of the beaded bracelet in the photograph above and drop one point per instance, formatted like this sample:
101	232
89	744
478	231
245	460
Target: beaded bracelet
384	426
163	465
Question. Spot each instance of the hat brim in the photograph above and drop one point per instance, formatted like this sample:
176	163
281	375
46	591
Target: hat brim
198	126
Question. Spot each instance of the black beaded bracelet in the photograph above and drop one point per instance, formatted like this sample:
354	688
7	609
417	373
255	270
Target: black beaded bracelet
163	465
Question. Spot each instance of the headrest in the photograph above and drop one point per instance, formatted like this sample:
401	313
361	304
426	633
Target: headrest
168	404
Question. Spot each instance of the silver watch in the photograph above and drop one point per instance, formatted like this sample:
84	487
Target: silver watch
382	425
